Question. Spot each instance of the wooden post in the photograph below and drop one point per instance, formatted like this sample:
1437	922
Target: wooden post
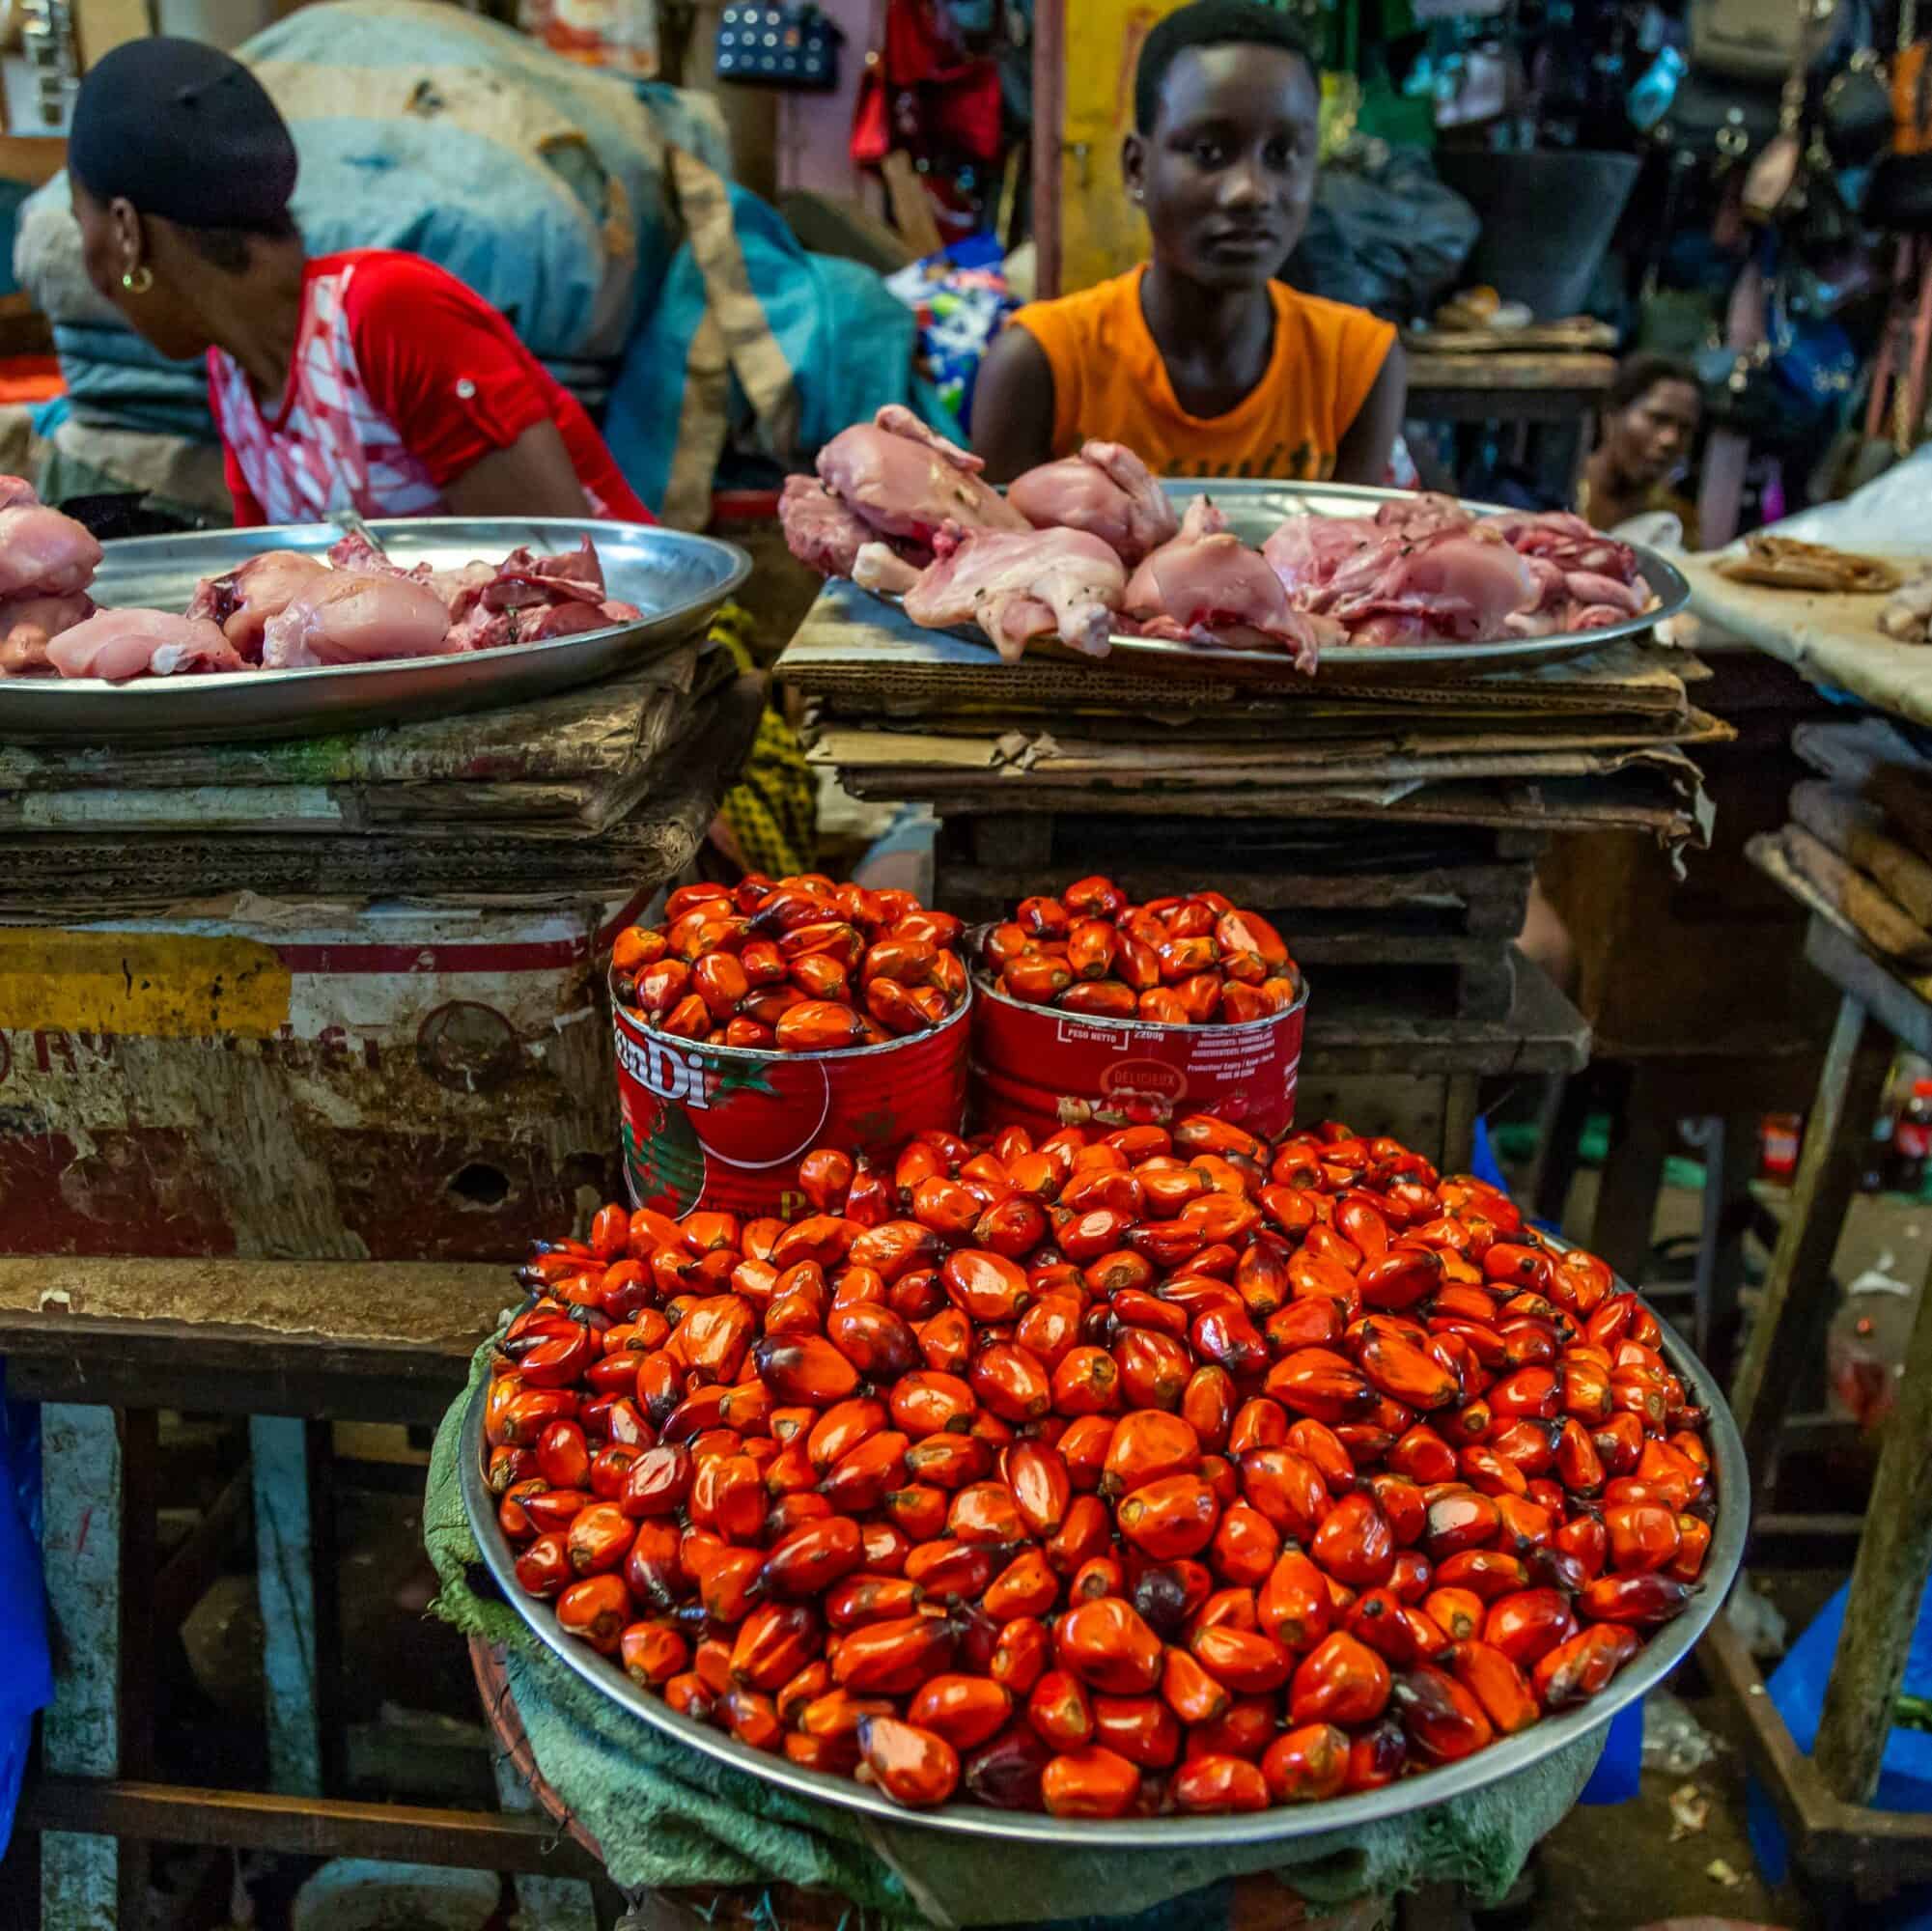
1791	1316
1881	1611
284	1580
85	1878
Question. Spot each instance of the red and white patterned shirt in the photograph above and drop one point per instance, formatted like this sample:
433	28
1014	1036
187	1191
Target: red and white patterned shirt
402	379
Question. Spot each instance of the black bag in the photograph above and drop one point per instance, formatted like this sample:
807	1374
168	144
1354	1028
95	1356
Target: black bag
764	45
1899	194
1855	112
1716	121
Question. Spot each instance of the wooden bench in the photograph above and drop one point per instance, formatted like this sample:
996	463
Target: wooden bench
106	1343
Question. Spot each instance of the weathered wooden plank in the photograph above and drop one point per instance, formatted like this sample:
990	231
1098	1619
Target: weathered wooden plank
46	877
80	1557
299	1826
1856	832
1791	1313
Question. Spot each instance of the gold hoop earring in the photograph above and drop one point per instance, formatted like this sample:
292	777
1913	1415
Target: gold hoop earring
139	280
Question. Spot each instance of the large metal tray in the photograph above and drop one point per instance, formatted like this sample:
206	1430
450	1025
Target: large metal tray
677	580
1254	509
1665	1649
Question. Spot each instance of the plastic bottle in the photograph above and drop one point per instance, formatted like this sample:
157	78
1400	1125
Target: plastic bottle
1911	1140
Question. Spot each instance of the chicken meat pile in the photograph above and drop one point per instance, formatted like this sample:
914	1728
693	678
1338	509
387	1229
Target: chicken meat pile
1087	548
282	610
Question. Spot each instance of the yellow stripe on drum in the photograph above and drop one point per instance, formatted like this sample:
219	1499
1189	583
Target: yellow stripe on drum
159	984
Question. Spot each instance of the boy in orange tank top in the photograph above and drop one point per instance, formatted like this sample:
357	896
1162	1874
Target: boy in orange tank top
1201	362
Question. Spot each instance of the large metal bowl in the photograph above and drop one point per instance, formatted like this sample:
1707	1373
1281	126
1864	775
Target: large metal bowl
1665	1649
677	580
1255	510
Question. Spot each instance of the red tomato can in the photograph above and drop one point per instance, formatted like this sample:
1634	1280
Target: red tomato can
725	1127
1043	1068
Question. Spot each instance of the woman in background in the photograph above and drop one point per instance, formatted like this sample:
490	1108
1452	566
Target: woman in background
1650	422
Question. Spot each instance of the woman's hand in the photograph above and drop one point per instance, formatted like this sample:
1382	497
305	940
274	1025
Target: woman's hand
532	478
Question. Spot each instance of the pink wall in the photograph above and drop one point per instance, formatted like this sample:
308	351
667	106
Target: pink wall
814	129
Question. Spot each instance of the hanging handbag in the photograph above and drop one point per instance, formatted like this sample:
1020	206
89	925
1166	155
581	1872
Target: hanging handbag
1900	196
1854	113
1758	39
790	47
1716	123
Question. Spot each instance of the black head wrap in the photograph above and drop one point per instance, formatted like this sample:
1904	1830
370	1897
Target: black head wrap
184	131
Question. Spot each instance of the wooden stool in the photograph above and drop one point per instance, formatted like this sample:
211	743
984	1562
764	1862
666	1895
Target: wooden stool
1846	1852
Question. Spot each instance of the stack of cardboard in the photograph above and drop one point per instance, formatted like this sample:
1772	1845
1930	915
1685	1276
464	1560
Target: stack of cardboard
1050	767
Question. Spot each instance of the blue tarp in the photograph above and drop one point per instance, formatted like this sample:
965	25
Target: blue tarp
847	341
27	1682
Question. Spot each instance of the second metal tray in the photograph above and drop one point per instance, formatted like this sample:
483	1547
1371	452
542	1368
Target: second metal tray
1254	511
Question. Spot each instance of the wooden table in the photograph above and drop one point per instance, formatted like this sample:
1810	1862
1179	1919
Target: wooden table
1533	388
1548	390
103	1345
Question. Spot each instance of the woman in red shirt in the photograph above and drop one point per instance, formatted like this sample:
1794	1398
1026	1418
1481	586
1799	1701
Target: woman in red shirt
369	380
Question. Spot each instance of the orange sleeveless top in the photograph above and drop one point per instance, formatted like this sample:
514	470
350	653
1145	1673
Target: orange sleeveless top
1110	384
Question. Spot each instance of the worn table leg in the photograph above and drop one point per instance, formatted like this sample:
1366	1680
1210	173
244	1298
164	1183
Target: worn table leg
1626	1215
1791	1317
1461	1094
286	1527
97	1535
1882	1609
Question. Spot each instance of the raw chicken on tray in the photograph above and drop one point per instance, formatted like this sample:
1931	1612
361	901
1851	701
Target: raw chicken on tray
281	610
901	511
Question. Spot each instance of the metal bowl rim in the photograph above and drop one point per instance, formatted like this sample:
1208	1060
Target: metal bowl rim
121	547
1509	1755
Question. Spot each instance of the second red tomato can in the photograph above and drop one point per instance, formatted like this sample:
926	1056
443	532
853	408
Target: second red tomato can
1043	1068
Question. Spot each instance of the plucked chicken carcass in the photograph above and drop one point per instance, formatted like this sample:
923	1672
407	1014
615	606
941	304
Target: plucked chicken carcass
819	529
1387	584
905	480
1019	585
1106	491
119	644
241	602
1207	586
29	623
352	617
43	552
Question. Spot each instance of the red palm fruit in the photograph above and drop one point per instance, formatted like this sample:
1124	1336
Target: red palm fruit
1142	1729
1108	1645
1443	1721
1060	1710
965	1710
1090	1783
1306	1764
1020	1654
1341	1681
1497	1684
596	1609
1212	1784
1576	1669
